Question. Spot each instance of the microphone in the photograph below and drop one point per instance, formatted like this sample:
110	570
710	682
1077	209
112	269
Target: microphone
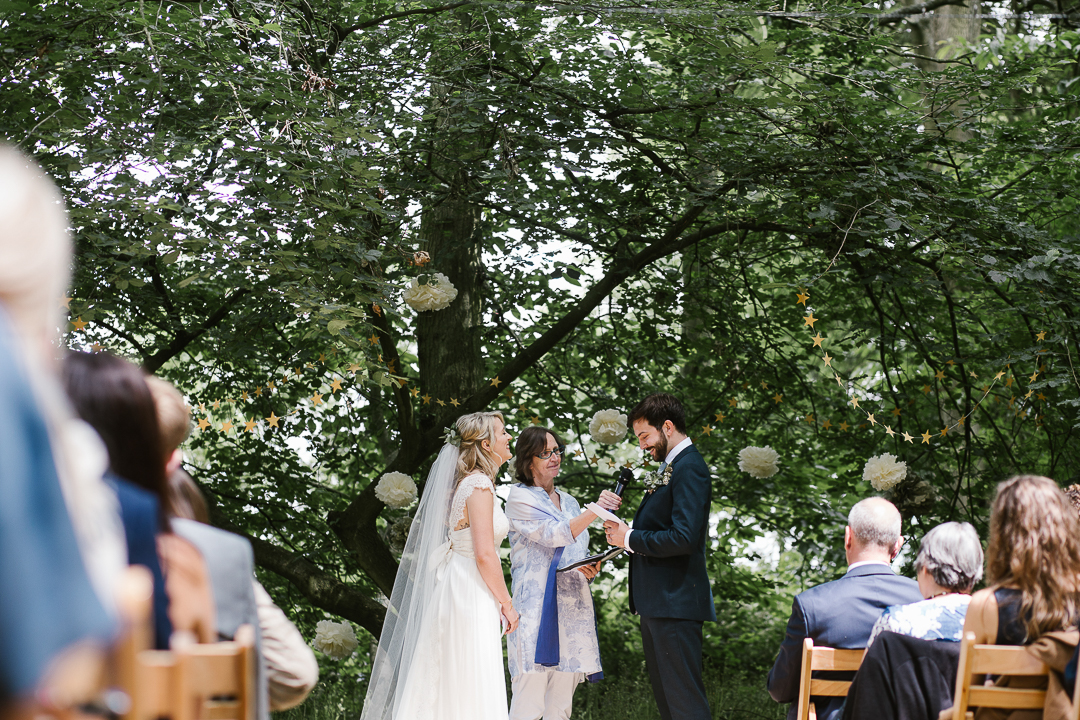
625	477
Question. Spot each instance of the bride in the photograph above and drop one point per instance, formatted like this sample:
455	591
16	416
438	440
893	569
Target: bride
440	655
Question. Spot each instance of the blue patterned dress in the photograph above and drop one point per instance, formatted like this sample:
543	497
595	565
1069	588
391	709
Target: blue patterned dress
939	618
532	546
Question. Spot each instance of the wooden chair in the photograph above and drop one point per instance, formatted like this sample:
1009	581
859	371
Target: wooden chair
135	604
193	681
823	658
978	660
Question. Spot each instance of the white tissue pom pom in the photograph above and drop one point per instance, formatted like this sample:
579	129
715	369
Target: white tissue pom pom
396	490
759	461
608	427
335	639
884	472
435	294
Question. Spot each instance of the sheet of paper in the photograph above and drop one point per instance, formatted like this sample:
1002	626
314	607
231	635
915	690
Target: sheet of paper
601	512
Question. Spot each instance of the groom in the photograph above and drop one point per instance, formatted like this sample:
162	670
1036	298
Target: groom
669	587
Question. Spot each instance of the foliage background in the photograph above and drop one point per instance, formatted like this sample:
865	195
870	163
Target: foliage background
704	199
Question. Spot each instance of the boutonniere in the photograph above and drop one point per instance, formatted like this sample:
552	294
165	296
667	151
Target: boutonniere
653	480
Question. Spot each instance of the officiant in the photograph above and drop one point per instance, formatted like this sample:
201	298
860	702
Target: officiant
555	645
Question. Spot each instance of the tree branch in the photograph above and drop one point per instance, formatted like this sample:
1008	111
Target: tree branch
185	337
323	590
925	7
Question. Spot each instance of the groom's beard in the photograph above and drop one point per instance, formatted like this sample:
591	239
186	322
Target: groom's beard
660	449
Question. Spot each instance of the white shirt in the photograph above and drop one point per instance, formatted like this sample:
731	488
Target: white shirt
671	455
854	565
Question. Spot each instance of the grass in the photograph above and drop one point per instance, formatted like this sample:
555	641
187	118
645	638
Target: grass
731	697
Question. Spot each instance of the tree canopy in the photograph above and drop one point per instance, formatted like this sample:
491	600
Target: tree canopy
822	230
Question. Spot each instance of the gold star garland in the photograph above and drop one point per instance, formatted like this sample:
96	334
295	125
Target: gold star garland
872	422
810	321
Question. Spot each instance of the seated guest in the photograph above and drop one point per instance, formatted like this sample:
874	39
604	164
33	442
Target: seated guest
289	669
841	613
60	560
111	395
947	567
1032	565
906	672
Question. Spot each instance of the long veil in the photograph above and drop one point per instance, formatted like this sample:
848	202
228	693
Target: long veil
413	590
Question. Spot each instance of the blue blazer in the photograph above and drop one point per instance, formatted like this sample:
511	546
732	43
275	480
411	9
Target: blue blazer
47	601
838	614
139	513
667	568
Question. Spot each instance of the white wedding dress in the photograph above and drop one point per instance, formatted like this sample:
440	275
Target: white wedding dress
456	672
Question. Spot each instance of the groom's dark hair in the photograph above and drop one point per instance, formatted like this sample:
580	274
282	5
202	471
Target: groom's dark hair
657	408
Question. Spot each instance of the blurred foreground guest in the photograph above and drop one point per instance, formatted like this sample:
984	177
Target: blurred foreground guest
289	669
841	613
59	561
112	395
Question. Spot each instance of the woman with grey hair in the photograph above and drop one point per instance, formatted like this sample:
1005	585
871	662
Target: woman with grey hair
948	565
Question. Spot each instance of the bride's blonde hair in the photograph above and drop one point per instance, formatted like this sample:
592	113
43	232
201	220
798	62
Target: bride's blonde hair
474	429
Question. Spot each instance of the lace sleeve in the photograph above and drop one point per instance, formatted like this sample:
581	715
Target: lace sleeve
464	490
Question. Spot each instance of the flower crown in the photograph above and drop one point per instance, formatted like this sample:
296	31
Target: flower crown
452	436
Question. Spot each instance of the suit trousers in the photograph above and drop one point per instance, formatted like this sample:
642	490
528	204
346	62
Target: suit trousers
673	659
548	695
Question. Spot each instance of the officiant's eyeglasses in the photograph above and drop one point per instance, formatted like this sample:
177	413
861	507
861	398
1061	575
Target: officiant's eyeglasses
548	453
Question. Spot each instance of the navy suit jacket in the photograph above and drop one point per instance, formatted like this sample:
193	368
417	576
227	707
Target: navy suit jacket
838	614
139	513
667	568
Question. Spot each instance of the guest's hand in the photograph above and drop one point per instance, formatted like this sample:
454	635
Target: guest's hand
590	571
616	532
609	501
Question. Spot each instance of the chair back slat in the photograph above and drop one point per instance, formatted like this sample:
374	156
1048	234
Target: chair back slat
836	659
829	688
1005	660
823	658
1008	698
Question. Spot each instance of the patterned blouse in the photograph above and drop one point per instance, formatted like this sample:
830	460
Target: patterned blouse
939	618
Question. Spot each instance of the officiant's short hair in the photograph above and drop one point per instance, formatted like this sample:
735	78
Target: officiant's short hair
532	440
657	408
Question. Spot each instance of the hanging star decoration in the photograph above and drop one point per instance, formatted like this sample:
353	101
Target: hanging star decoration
273	419
203	424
